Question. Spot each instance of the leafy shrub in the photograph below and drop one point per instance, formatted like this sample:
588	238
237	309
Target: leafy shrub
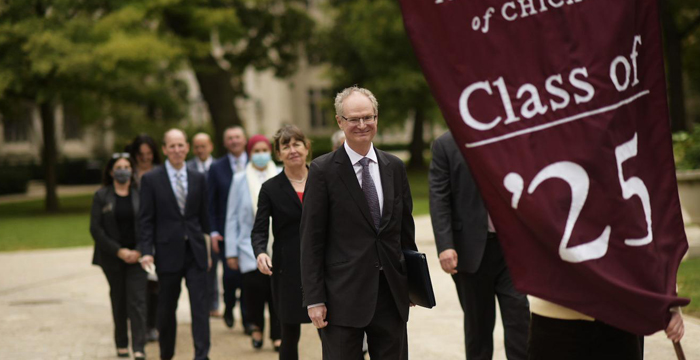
14	179
686	149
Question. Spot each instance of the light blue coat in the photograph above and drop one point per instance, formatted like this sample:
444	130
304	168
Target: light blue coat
240	218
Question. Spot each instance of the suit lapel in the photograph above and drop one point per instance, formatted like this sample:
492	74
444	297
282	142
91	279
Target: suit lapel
347	175
387	188
190	188
287	188
171	194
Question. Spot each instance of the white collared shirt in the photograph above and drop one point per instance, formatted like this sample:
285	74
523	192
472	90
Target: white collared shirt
373	170
203	167
238	163
172	175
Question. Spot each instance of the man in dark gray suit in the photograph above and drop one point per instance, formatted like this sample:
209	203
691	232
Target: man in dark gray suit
202	148
469	250
355	222
173	218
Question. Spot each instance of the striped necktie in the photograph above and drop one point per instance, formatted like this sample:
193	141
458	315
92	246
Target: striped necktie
180	193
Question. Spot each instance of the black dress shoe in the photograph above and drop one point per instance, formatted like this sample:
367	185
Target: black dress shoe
257	344
139	355
228	318
124	354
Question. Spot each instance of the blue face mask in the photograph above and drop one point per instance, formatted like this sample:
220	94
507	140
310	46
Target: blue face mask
260	160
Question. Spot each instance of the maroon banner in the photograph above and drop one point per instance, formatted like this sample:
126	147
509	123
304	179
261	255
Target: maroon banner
559	107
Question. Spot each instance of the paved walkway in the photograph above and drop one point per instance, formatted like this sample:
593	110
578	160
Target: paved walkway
55	305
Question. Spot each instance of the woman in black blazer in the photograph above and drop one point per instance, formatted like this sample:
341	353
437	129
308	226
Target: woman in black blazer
281	199
113	227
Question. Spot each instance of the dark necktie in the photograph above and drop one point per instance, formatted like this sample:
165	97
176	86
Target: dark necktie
370	192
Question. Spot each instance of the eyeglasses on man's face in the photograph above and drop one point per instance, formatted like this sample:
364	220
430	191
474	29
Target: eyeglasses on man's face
367	120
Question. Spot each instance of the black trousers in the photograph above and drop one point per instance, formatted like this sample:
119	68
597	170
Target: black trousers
213	283
386	333
477	293
151	304
257	291
232	280
289	350
170	286
127	292
557	339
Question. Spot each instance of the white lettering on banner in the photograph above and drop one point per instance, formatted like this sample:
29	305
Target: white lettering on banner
514	10
558	97
531	107
578	180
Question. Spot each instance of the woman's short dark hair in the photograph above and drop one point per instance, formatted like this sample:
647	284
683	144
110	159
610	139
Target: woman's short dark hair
135	146
285	134
107	179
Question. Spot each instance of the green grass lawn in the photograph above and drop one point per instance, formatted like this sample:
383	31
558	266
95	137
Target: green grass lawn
418	180
689	285
25	225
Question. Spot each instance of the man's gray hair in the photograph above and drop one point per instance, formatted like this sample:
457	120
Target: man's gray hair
347	92
337	139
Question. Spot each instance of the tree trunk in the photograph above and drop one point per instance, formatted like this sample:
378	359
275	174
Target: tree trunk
49	155
417	144
219	93
674	69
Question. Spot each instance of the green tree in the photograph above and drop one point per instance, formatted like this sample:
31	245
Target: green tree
368	45
680	20
223	38
102	55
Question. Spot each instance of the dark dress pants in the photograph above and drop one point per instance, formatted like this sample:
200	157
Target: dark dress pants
386	333
477	294
151	304
232	281
555	339
213	283
257	292
127	292
170	285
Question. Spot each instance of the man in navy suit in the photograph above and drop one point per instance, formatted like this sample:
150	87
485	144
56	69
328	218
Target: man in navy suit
219	183
173	220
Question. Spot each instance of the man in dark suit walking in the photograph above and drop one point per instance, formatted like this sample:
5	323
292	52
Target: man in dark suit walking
469	250
173	219
356	221
202	148
219	183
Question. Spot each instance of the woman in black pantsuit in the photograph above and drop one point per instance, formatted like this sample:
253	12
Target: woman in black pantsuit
281	199
113	226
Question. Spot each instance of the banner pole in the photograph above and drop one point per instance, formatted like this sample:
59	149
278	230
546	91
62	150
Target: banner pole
679	350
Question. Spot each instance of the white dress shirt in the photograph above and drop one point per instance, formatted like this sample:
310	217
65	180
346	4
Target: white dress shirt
172	175
238	163
203	167
373	170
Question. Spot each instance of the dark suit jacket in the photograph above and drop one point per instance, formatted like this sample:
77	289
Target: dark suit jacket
277	199
164	229
104	227
457	211
192	165
219	183
342	251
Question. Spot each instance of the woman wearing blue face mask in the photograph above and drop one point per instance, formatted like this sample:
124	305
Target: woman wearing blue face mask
240	217
113	226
